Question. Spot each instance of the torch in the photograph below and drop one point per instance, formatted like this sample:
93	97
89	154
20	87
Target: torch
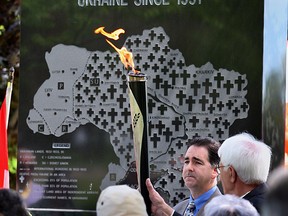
138	106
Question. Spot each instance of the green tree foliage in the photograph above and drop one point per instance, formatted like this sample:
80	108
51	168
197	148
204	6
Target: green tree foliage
9	57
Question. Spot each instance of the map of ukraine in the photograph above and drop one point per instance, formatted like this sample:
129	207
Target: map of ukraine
183	102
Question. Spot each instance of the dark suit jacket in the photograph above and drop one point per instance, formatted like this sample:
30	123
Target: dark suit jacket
257	196
180	207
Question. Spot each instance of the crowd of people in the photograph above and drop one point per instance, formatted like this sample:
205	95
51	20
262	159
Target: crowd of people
241	163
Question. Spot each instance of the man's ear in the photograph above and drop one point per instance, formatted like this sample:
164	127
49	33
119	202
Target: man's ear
232	174
215	173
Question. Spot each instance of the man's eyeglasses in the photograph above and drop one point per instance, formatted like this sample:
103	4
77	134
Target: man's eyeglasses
221	166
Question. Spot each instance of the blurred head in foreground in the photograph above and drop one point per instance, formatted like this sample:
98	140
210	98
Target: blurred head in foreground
276	200
229	205
11	203
120	200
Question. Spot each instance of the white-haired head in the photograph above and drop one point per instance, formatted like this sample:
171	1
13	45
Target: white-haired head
248	156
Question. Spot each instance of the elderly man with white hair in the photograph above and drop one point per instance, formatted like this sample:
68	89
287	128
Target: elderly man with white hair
244	167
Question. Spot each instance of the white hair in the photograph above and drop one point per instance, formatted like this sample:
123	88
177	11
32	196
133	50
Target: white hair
227	205
249	157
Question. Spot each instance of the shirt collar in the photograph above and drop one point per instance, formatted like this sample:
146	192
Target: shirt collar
202	199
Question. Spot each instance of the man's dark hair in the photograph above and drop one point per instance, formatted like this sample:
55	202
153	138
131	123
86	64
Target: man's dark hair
11	203
211	145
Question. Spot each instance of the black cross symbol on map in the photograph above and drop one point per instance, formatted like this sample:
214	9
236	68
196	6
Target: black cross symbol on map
244	106
137	42
125	114
91	98
220	105
195	86
89	68
121	100
226	124
174	75
185	76
219	78
104	97
171	177
107	75
101	67
120	124
112	66
167	134
146	66
121	149
124	86
194	120
112	90
152	34
180	96
228	85
90	112
112	130
128	157
95	57
166	50
79	86
174	201
86	90
220	132
146	43
155	139
108	58
112	114
85	78
179	144
161	37
104	123
211	108
96	119
236	111
151	57
116	141
239	82
190	101
165	86
160	126
206	122
163	183
78	112
157	80
176	122
216	122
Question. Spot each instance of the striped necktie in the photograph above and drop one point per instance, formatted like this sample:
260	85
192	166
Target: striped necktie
190	209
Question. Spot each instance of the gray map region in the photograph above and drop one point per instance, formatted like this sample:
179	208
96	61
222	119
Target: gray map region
184	101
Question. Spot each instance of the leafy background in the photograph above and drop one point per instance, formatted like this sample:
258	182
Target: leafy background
10	57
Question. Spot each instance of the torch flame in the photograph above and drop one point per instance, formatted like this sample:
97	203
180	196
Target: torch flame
113	35
126	57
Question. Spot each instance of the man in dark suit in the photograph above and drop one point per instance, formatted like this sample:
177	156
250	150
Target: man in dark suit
244	168
200	176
